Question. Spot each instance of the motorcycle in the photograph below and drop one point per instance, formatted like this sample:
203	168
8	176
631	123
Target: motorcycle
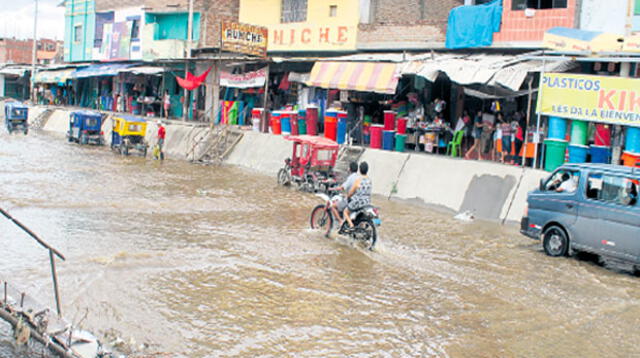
365	221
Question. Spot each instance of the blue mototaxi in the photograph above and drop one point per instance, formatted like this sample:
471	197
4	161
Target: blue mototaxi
15	117
85	127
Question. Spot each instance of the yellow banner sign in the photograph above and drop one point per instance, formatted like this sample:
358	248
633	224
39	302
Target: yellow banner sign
243	38
309	37
613	100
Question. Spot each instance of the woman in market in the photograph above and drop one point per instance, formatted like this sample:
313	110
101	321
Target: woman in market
476	132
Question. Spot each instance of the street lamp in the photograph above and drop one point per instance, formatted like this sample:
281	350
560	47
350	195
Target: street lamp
33	52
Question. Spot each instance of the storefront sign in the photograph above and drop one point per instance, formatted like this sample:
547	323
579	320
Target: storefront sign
244	80
613	100
243	38
306	37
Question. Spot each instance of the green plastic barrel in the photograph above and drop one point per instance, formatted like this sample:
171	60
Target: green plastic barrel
401	139
555	153
302	126
579	132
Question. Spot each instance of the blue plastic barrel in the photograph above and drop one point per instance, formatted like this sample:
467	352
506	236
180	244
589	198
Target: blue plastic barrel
632	141
557	128
387	139
342	130
600	154
285	122
578	153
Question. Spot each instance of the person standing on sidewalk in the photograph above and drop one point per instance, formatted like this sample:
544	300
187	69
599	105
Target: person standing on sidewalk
162	132
166	103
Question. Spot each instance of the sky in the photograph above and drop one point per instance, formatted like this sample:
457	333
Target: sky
17	19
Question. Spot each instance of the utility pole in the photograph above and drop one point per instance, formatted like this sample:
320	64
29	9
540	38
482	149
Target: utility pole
186	104
33	52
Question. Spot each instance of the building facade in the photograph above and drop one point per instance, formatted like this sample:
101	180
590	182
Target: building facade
13	51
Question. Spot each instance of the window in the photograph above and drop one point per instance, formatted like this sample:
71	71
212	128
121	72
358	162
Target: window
538	4
77	33
612	189
333	10
135	29
294	11
563	181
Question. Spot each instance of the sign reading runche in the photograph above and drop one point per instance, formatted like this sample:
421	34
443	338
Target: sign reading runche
244	38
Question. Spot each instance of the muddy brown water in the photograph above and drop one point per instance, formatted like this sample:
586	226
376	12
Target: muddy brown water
204	261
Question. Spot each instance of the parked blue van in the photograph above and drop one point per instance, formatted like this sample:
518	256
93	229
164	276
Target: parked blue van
587	207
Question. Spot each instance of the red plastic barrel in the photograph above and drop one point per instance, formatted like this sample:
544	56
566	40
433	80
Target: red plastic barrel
275	124
293	119
389	120
330	127
402	125
602	136
376	136
312	120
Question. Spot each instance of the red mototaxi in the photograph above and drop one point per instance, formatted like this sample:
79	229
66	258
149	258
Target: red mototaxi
312	162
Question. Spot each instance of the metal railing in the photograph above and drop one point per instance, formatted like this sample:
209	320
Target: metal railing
52	253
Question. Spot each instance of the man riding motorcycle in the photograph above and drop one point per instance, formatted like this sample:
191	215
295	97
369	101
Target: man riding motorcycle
338	207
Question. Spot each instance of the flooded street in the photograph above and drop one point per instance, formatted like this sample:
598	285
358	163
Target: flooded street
205	261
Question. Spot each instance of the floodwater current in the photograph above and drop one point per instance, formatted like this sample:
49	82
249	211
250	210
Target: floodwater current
217	261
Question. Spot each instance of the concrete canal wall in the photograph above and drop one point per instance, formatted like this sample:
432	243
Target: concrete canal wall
490	190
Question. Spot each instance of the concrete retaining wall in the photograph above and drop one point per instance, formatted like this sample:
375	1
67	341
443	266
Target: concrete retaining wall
261	152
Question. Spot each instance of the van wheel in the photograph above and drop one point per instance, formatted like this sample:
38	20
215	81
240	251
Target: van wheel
555	241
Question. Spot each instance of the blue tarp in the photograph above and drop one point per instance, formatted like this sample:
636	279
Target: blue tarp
473	25
109	69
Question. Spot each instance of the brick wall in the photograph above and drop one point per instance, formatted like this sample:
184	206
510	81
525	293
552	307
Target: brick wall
516	27
397	24
15	51
216	12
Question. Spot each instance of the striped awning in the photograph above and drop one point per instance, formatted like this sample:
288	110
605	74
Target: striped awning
356	76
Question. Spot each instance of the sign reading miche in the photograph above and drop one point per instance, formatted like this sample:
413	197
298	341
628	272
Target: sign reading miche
244	38
613	100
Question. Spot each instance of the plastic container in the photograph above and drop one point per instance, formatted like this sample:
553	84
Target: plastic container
311	117
402	125
389	120
330	127
602	136
630	159
302	126
376	136
579	132
255	122
578	153
554	155
401	140
557	128
387	139
293	121
342	129
276	126
600	154
632	140
285	122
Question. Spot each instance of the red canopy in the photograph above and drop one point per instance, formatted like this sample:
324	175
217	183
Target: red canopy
191	82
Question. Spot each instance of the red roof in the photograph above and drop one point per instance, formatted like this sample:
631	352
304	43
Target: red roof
313	140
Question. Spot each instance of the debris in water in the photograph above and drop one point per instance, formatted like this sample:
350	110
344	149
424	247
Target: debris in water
466	216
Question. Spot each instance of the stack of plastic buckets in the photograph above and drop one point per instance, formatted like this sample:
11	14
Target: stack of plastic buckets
285	122
342	127
556	144
578	148
376	136
631	155
387	139
389	120
312	120
330	123
302	124
276	127
401	136
600	151
256	115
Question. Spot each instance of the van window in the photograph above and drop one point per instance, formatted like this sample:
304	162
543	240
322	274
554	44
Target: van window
612	189
563	181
